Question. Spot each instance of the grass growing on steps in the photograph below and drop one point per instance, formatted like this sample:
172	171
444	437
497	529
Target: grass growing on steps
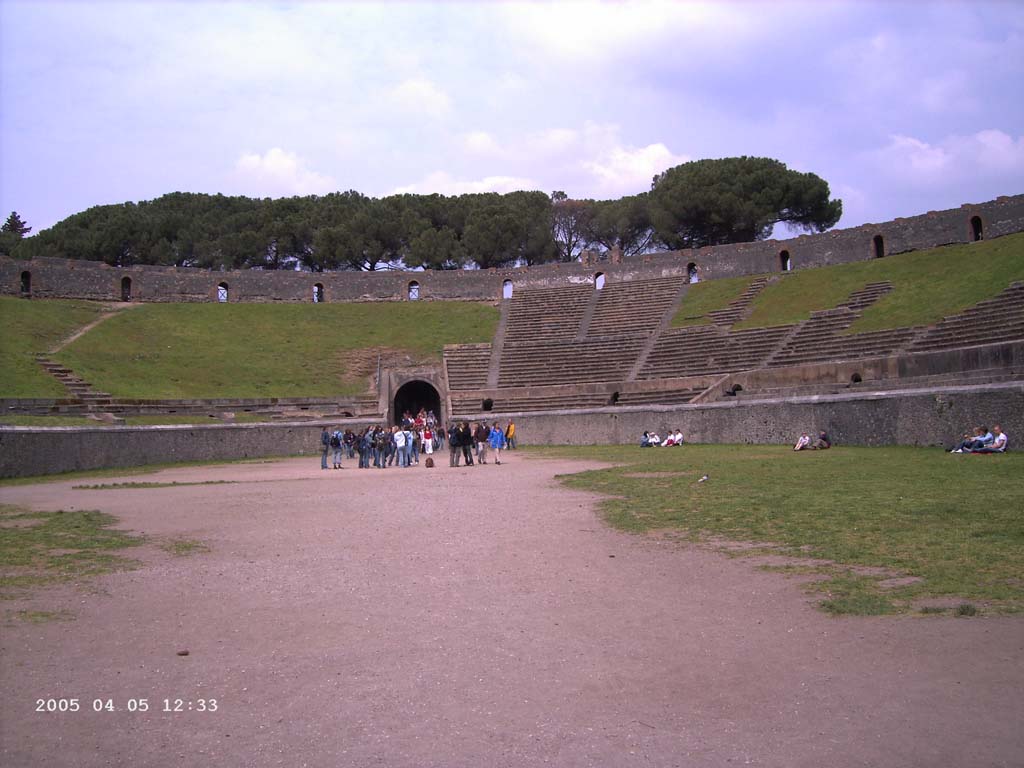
31	327
708	296
927	285
951	520
181	351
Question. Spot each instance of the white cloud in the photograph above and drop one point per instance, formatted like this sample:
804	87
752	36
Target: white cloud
990	152
420	96
444	184
479	143
280	173
553	140
628	170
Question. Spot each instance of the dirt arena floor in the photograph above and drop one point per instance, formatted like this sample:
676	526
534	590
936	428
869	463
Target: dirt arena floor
475	617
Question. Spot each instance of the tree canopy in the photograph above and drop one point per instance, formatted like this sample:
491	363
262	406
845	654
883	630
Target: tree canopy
704	203
737	200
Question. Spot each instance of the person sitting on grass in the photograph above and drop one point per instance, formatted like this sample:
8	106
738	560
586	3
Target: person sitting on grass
822	443
803	443
645	441
998	444
977	441
655	440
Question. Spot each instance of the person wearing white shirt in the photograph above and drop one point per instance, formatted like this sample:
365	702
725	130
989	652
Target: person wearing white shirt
998	444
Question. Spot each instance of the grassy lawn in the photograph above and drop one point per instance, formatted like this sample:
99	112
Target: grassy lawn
31	327
953	521
708	296
265	350
39	548
927	285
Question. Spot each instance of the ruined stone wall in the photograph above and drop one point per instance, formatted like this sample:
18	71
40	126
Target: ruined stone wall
935	417
61	278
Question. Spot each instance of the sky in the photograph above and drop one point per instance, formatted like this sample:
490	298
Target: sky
901	107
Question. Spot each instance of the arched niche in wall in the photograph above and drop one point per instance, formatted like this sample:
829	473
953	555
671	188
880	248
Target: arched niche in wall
977	231
26	283
506	289
318	293
877	246
126	288
692	276
414	291
222	293
599	280
785	263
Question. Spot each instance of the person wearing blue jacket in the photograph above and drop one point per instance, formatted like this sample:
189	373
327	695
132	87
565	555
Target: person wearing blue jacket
497	441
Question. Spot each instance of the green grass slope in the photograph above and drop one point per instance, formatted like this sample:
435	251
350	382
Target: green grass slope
927	285
171	351
912	511
708	296
31	327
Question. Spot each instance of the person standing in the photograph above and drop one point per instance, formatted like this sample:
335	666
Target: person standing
466	443
399	434
482	433
336	447
510	435
453	445
325	445
497	441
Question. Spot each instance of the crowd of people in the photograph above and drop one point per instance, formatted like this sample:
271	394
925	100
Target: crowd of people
416	435
982	440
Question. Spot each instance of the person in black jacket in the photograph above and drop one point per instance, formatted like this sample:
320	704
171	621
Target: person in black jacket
465	436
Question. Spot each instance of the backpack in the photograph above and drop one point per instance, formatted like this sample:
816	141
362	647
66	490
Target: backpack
335	442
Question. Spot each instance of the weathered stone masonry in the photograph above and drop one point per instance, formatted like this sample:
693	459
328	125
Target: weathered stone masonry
63	278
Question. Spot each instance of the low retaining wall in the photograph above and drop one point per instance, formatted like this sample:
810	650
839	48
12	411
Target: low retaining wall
936	416
25	451
909	417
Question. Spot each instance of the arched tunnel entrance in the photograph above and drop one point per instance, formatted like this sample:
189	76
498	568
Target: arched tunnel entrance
414	395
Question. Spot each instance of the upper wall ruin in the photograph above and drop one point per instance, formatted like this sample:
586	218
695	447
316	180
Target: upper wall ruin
64	278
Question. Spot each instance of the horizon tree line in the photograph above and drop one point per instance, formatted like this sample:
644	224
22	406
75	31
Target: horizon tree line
705	202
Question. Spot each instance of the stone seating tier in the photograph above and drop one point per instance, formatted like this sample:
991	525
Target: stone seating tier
708	349
811	347
633	307
568	362
466	404
980	376
546	313
466	365
997	319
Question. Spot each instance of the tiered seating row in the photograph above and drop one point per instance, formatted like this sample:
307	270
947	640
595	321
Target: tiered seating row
997	319
466	365
546	313
609	359
708	349
633	307
548	402
984	376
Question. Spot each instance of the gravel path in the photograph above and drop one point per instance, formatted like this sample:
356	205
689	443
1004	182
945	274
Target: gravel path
473	617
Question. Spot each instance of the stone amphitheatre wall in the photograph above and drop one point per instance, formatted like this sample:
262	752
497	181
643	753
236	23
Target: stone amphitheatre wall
918	417
62	278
